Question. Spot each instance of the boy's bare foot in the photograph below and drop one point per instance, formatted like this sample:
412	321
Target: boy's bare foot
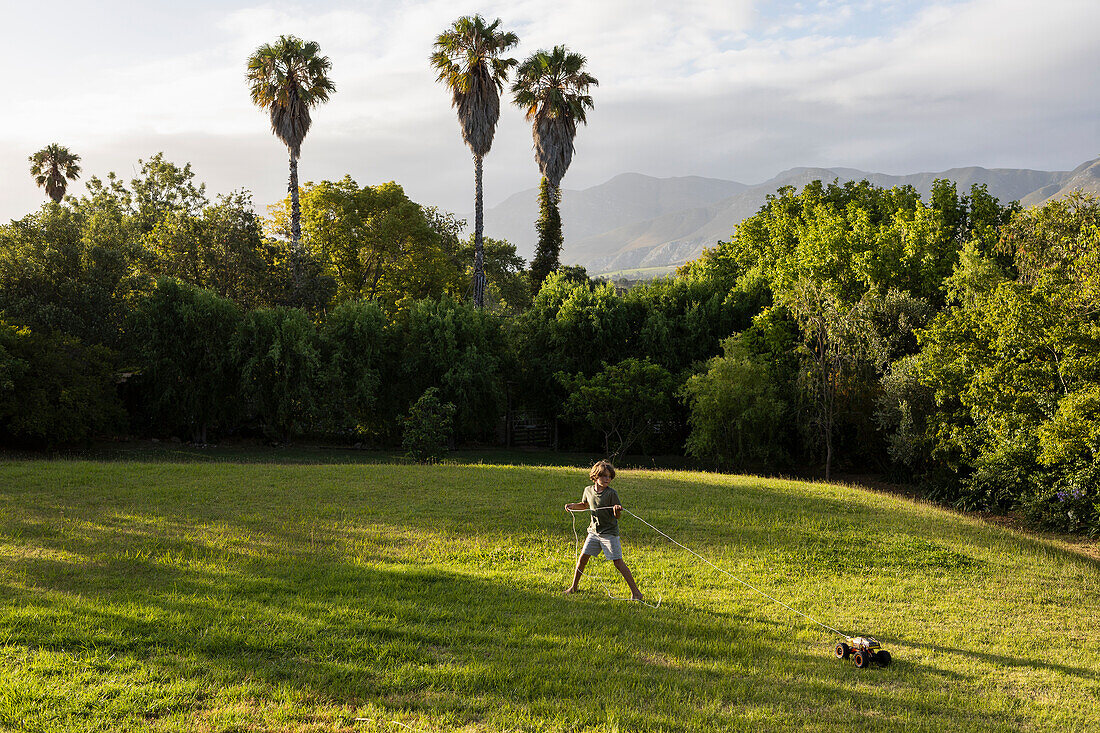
569	590
636	598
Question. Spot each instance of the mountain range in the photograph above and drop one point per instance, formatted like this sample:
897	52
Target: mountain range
638	222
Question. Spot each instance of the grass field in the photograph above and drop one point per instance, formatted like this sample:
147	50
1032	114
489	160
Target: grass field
246	596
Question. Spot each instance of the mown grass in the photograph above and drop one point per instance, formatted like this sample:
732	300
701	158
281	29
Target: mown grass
250	596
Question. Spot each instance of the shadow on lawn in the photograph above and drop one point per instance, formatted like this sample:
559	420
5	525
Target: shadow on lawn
999	660
424	641
268	607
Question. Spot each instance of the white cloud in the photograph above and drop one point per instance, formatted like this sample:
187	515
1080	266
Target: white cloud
733	89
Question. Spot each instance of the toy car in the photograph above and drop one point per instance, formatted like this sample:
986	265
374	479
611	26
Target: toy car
863	650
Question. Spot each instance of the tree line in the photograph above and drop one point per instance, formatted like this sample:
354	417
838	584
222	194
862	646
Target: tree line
950	341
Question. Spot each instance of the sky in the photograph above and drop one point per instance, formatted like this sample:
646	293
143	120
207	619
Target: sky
732	89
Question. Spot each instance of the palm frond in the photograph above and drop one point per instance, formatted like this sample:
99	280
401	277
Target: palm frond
287	78
467	58
552	89
52	167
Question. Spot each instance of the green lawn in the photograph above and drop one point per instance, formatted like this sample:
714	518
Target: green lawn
241	596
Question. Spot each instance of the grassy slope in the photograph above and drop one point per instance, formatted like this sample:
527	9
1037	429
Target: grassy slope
160	596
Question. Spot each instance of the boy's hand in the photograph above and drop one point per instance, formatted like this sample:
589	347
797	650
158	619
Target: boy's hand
617	510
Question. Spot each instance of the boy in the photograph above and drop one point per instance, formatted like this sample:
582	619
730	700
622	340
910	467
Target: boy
603	532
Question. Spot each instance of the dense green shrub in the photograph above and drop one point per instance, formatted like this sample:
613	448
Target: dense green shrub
623	401
737	414
427	429
180	338
278	355
1072	504
572	327
354	354
55	390
465	353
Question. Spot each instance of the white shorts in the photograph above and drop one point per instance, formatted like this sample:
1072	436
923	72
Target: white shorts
608	544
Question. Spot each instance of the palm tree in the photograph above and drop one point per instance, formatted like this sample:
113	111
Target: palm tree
51	166
552	87
467	57
287	78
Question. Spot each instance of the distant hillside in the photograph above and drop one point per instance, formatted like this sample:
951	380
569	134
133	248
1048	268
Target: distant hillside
635	221
1085	177
625	199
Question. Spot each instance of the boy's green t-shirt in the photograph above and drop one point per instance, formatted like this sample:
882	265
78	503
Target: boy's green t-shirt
603	521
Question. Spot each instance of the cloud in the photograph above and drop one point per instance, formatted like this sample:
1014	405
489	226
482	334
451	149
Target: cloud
732	89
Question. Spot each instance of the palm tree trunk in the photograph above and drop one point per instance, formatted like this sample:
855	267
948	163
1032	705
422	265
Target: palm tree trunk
479	242
295	229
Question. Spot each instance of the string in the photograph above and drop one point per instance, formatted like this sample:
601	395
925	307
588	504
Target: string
751	587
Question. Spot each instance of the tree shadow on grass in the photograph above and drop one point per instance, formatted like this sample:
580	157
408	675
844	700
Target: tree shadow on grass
1001	660
428	642
269	610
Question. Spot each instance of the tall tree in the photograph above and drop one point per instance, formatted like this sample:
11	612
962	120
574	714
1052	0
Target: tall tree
468	58
552	86
288	78
52	167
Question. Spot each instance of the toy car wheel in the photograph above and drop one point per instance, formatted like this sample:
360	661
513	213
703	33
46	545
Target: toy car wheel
842	650
862	659
883	658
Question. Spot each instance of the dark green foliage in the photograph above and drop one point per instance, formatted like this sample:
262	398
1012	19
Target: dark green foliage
355	351
179	339
578	275
463	351
571	328
1014	367
737	413
681	321
575	325
55	390
1069	504
623	401
508	288
548	228
902	411
278	353
70	269
427	429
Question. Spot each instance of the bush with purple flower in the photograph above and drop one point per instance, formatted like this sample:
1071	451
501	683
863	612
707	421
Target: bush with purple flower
1071	505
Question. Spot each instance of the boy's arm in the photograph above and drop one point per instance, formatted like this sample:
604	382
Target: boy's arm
576	507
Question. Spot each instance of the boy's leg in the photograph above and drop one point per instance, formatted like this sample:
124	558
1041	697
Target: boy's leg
622	568
581	562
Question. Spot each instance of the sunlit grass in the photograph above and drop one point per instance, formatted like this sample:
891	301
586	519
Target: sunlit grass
258	596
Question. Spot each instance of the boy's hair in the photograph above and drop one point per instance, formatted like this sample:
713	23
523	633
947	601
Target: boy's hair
599	467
